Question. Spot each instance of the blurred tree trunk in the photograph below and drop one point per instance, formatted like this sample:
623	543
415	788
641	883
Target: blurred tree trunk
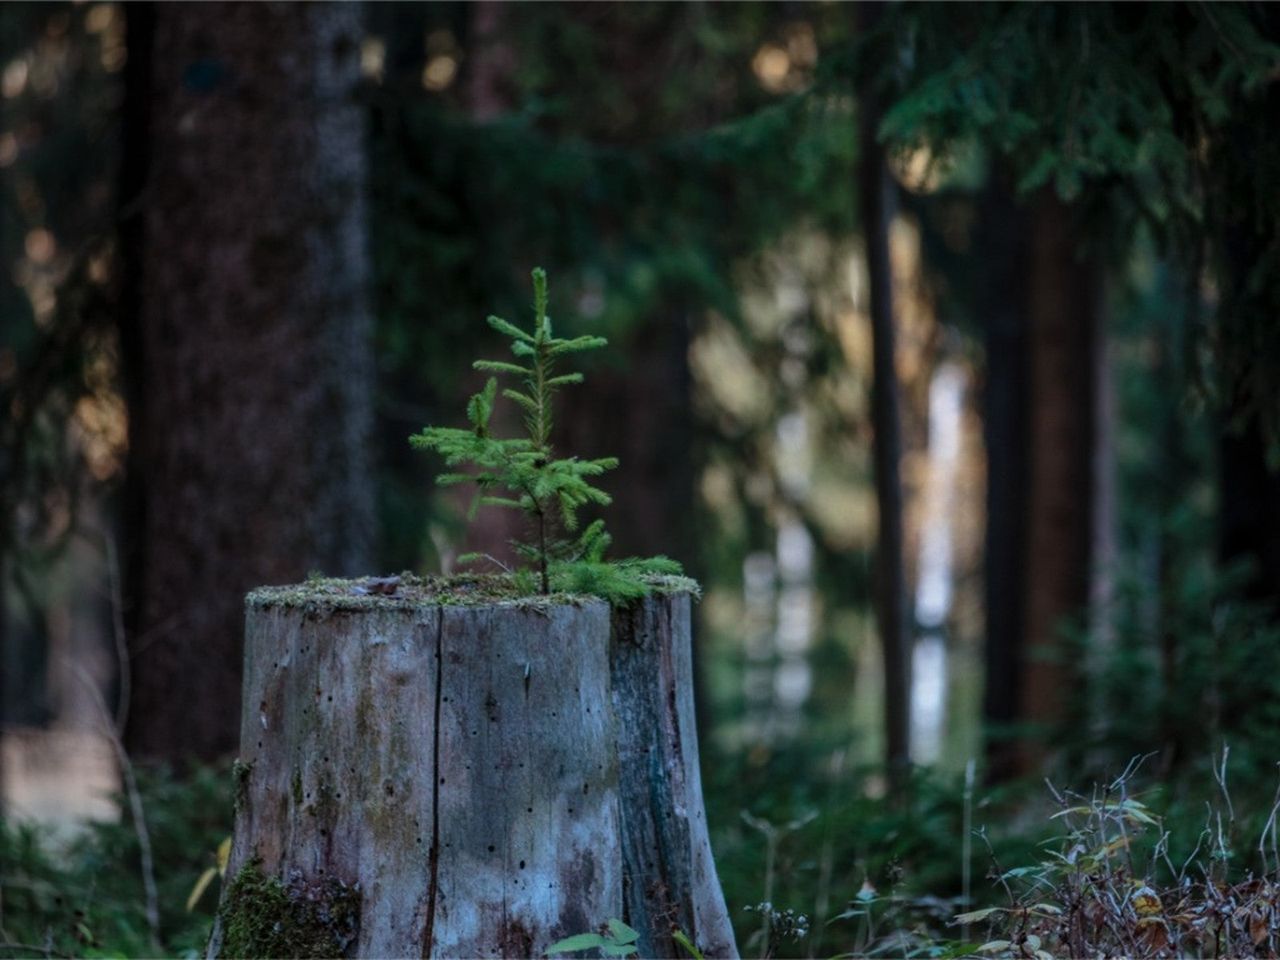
254	370
1249	516
1001	249
892	614
651	433
1063	315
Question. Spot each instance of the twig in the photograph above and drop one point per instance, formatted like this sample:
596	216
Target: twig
30	948
117	624
966	839
135	807
1270	828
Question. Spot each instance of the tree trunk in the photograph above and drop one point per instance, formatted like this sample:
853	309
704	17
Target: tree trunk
1003	304
419	779
892	614
1063	320
651	431
255	362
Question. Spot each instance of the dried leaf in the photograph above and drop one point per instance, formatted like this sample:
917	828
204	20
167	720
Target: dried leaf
1146	902
1258	928
1153	932
977	916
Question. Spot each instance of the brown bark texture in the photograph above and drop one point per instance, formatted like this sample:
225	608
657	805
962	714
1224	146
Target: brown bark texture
488	778
893	615
1063	319
255	368
1001	248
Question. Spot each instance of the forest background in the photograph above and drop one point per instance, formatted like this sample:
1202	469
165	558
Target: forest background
943	351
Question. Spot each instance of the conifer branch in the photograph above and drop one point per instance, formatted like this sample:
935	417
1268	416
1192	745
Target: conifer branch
523	473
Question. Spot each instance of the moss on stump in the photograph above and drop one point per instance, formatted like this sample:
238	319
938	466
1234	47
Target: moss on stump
265	917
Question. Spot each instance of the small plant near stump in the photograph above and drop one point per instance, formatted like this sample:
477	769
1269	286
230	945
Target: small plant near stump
523	473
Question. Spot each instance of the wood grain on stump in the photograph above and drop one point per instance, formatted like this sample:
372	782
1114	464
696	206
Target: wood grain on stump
457	767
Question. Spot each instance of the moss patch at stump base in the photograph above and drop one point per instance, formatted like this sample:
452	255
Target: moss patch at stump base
264	917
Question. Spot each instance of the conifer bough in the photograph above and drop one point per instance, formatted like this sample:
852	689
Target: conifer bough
522	473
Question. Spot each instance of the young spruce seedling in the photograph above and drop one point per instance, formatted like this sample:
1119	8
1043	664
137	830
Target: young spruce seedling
522	473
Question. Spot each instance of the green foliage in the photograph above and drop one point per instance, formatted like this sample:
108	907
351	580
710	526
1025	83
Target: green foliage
1151	116
523	474
620	941
85	897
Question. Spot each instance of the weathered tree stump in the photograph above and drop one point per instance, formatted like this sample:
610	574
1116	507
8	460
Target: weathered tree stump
431	773
669	877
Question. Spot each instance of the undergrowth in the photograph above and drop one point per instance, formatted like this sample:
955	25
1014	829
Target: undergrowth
84	897
813	865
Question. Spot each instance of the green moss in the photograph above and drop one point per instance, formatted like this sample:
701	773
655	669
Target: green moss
240	776
296	787
264	917
326	595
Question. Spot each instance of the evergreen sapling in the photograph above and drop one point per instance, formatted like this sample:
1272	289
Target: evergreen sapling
523	473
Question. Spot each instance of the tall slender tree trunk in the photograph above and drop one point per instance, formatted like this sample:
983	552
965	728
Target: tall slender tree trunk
874	188
253	400
1063	320
1001	248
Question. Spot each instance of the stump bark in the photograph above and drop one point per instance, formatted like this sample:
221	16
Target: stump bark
669	876
422	774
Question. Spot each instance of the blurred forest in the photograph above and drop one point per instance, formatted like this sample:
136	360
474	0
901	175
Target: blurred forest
943	350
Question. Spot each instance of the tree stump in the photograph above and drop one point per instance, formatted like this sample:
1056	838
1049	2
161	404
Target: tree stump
669	877
435	772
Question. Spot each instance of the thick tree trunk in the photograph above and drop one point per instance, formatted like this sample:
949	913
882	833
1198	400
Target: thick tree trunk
444	780
255	361
1001	248
1063	320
